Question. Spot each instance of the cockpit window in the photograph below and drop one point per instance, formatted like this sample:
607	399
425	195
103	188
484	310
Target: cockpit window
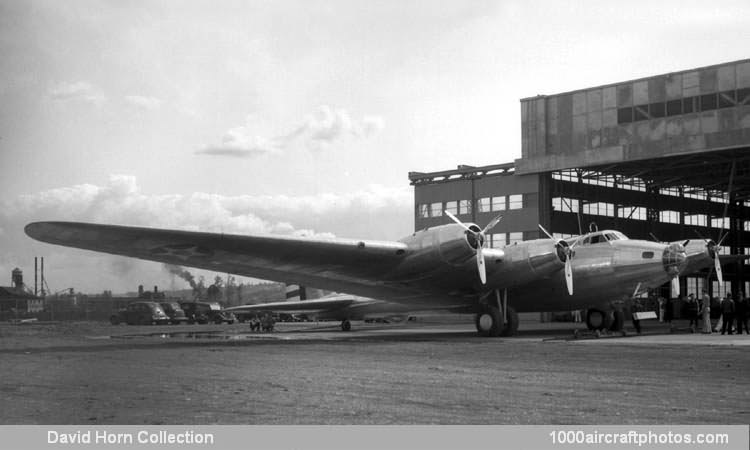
599	238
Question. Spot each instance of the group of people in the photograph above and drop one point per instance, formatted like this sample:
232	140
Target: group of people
729	314
265	323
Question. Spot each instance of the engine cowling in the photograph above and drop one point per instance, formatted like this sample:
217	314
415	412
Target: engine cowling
456	245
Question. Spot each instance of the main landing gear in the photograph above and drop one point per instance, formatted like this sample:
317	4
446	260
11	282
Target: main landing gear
346	325
600	322
489	322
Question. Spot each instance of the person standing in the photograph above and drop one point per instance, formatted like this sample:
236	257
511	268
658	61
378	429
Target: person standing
727	314
706	312
740	313
691	310
634	310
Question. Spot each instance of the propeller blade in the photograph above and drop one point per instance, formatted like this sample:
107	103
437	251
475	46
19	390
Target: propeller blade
635	292
480	265
545	232
676	286
492	224
569	276
684	244
455	219
717	264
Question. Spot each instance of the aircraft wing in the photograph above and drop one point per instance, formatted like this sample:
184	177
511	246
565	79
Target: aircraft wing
340	307
320	305
343	265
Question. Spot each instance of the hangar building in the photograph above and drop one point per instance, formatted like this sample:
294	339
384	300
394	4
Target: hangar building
666	156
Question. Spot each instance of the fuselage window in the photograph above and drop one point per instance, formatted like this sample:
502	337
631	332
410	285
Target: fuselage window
647	255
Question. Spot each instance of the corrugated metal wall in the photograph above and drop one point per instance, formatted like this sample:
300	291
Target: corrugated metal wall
697	110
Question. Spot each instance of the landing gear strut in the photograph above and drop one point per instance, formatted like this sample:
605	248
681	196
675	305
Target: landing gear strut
346	325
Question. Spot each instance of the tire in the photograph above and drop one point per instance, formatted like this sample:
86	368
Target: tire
597	320
346	325
489	322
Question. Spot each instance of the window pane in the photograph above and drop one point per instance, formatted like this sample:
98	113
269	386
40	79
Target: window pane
674	107
498	203
483	205
696	219
452	207
688	105
708	102
436	210
624	115
669	216
498	240
656	109
464	206
515	201
423	210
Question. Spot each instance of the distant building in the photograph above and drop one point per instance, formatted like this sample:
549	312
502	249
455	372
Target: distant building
16	301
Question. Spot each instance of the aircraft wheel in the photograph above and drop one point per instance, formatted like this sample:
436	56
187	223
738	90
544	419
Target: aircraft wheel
512	326
489	322
346	325
596	319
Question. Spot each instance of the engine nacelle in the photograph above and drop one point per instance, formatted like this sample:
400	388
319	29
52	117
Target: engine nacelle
456	245
531	260
450	244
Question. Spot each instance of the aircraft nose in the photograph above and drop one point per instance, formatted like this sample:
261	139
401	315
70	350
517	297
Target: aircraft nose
674	259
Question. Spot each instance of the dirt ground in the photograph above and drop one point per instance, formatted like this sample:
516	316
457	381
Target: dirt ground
94	373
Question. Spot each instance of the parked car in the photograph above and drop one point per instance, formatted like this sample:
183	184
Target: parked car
140	313
175	312
205	312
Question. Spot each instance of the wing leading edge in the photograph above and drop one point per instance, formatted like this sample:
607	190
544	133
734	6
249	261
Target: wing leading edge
336	264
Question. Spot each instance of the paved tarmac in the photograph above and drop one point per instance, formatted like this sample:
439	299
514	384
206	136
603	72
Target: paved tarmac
429	372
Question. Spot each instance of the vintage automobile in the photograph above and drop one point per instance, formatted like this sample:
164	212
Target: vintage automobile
205	312
140	313
175	312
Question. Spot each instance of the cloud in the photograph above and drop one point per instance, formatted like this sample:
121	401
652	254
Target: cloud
147	103
374	212
328	125
79	90
242	143
319	130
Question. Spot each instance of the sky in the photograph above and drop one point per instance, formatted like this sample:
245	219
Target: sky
291	117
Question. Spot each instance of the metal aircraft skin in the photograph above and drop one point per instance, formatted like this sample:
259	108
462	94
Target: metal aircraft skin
441	268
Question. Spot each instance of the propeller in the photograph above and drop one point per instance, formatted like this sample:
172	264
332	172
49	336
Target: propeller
676	285
713	251
566	250
479	236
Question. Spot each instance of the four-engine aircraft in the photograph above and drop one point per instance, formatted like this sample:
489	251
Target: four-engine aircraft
444	268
